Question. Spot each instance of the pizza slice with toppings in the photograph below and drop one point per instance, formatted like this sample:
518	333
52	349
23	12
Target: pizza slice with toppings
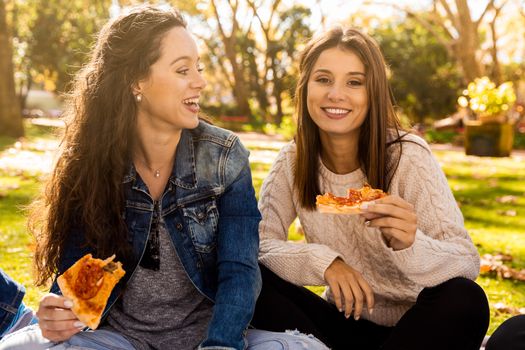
331	204
88	283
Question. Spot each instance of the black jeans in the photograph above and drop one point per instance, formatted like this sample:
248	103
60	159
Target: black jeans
510	335
452	315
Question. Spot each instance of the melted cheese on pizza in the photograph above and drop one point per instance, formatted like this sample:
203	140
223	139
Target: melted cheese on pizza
354	197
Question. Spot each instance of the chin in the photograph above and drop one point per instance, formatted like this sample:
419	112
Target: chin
334	132
193	124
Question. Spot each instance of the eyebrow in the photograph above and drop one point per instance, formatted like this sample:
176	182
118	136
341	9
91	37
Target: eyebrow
322	70
183	58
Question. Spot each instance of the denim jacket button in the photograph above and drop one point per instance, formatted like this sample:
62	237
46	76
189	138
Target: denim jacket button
179	226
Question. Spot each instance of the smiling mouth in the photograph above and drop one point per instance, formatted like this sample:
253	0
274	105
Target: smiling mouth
194	102
336	112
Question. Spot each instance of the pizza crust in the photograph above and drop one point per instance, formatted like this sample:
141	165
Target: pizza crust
338	209
90	310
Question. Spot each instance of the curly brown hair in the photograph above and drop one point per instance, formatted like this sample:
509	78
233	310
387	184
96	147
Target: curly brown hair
85	188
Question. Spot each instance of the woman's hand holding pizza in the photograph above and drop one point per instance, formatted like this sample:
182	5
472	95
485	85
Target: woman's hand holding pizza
349	288
395	218
55	318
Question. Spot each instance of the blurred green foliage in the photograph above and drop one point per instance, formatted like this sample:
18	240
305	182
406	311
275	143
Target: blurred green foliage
424	80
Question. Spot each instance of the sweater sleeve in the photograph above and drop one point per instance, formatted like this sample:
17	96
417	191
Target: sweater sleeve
442	249
298	263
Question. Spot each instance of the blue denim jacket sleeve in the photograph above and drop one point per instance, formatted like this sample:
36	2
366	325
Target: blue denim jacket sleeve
239	278
11	295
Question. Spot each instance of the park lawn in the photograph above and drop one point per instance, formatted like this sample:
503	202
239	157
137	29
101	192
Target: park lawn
17	189
479	185
491	195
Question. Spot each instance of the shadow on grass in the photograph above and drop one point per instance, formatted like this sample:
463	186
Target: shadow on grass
6	142
32	132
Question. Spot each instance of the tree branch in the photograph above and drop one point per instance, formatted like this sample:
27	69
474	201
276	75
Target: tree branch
256	14
490	5
219	57
426	24
216	13
451	16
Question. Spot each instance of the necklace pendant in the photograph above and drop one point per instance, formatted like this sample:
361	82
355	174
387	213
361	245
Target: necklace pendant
157	173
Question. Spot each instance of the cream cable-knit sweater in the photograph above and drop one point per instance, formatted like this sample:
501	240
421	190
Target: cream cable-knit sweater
442	248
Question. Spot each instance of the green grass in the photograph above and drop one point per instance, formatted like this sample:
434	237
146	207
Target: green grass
477	183
435	136
454	137
17	189
5	142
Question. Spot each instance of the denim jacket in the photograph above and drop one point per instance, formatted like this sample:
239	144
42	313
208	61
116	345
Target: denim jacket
11	295
210	211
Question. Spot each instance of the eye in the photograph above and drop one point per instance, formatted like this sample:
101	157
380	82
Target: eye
322	80
200	68
183	71
355	82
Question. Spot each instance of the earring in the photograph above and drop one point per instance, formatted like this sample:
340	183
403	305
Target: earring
138	97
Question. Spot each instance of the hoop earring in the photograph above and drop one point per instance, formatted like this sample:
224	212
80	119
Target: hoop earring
138	98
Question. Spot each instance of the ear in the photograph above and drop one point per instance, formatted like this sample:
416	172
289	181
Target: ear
136	88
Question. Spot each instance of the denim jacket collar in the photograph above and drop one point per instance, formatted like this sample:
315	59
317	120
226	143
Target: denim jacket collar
183	172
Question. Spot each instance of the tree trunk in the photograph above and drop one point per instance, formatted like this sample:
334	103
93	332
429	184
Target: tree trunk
10	113
241	92
240	89
467	44
466	54
277	90
496	69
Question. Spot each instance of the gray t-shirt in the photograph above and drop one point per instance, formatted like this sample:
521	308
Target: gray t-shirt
162	309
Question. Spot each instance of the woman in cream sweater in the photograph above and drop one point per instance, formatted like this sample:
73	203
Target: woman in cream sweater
400	274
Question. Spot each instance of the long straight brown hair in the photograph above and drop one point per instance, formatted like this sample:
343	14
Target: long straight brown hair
373	134
85	189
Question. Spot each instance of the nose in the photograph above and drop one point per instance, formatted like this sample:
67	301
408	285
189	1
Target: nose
335	93
198	82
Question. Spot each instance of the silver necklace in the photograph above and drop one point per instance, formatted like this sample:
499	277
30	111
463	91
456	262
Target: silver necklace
156	172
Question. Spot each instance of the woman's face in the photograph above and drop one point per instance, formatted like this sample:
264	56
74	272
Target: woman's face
337	99
171	91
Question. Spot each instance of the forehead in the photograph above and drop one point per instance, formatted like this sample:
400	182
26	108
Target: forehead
338	60
178	42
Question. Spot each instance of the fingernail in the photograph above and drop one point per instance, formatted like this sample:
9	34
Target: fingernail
340	309
347	315
68	303
363	206
371	311
79	324
367	223
356	317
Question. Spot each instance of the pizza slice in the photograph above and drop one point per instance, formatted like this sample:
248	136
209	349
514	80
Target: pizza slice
331	204
88	283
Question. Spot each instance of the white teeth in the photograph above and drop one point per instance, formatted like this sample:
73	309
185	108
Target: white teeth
337	110
191	101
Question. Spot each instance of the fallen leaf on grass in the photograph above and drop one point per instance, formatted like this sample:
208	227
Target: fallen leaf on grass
502	308
507	212
9	187
507	199
14	250
494	264
484	202
478	176
493	183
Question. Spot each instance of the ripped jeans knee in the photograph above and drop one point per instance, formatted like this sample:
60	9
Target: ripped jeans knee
289	340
